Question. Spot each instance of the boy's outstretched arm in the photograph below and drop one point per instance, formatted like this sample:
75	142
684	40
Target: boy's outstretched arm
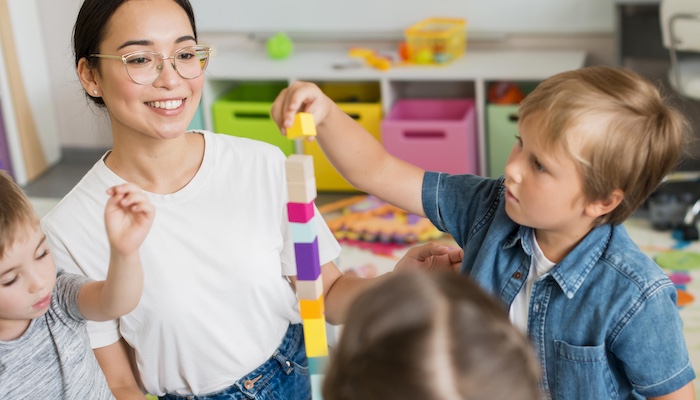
128	218
340	290
355	153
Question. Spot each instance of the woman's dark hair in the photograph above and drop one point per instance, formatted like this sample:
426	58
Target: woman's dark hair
429	337
93	19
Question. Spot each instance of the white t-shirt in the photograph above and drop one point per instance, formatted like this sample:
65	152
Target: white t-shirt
216	302
539	265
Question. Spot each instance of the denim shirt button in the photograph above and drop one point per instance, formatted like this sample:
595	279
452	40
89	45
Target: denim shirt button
518	275
537	307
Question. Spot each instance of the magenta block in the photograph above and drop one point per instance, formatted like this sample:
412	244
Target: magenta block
434	134
300	212
308	264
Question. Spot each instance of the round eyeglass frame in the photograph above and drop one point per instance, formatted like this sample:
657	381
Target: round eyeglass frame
159	67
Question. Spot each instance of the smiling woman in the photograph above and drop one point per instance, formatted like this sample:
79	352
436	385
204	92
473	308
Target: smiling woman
217	302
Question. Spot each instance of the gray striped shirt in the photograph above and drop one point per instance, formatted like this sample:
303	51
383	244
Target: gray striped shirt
53	358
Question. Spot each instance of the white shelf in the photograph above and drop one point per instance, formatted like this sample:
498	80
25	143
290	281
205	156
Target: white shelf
474	70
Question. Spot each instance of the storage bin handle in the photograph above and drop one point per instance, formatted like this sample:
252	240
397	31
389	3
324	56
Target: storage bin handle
251	115
513	117
424	134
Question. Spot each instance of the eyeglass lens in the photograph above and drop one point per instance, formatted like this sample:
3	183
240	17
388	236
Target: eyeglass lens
145	67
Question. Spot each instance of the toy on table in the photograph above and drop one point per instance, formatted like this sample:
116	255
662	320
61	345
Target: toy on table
301	184
279	46
371	58
369	219
435	41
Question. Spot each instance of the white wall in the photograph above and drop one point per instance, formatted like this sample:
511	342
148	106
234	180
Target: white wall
83	125
80	123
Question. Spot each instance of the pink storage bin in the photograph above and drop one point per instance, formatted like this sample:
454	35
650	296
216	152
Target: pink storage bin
434	134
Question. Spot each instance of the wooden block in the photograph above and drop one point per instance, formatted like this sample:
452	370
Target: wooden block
300	212
303	126
299	167
308	264
301	192
316	385
317	365
310	290
311	309
315	337
304	233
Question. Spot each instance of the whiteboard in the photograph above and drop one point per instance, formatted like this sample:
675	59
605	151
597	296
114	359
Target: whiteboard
393	16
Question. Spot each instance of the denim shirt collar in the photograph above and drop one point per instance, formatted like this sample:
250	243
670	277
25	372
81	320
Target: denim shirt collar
572	271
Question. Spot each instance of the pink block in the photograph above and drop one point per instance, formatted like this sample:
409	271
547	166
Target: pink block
434	134
300	212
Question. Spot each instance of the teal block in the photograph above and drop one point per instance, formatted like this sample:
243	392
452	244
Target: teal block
304	232
317	365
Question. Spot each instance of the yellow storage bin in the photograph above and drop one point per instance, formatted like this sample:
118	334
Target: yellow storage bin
245	111
361	101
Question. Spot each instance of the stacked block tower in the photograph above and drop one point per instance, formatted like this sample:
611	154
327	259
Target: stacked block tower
301	184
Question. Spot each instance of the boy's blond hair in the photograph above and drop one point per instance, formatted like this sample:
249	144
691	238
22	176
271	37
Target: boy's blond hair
16	213
622	133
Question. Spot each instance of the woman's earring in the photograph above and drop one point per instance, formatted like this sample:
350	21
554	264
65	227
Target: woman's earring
94	92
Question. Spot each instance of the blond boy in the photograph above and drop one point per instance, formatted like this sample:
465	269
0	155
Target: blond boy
44	348
547	238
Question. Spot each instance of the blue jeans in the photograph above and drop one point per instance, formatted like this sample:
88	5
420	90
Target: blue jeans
284	376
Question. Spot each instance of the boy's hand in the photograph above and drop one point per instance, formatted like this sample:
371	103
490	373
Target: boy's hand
432	257
299	97
128	217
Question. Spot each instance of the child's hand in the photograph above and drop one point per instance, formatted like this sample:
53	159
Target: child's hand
432	257
128	217
300	97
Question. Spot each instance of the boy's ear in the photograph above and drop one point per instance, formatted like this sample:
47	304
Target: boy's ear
88	77
601	207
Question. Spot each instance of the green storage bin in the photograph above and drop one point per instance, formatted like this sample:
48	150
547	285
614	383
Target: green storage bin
245	112
501	128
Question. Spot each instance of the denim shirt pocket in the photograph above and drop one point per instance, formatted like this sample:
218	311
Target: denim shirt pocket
578	364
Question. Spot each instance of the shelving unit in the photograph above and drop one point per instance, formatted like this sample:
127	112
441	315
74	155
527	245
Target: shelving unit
466	77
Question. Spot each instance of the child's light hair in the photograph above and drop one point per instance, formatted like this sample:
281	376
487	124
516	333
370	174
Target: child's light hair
617	127
430	337
16	213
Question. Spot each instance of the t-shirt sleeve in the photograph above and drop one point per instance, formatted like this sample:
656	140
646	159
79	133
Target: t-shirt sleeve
652	347
66	291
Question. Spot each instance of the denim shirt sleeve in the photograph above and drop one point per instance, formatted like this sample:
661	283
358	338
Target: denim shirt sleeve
650	343
457	204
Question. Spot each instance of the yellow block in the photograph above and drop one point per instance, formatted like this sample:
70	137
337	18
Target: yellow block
311	309
303	126
315	337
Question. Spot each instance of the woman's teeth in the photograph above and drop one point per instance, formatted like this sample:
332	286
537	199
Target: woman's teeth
168	105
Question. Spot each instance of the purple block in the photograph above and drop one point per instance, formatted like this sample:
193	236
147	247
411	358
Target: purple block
308	264
300	212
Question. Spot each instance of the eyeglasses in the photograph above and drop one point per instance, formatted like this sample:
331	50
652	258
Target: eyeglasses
144	67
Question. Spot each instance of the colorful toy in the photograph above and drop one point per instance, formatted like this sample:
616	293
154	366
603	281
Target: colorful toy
279	46
371	58
303	126
301	183
368	219
436	40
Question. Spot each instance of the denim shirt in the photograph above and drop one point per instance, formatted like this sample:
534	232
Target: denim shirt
603	321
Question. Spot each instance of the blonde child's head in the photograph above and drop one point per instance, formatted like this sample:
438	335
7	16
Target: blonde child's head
17	216
430	337
617	127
